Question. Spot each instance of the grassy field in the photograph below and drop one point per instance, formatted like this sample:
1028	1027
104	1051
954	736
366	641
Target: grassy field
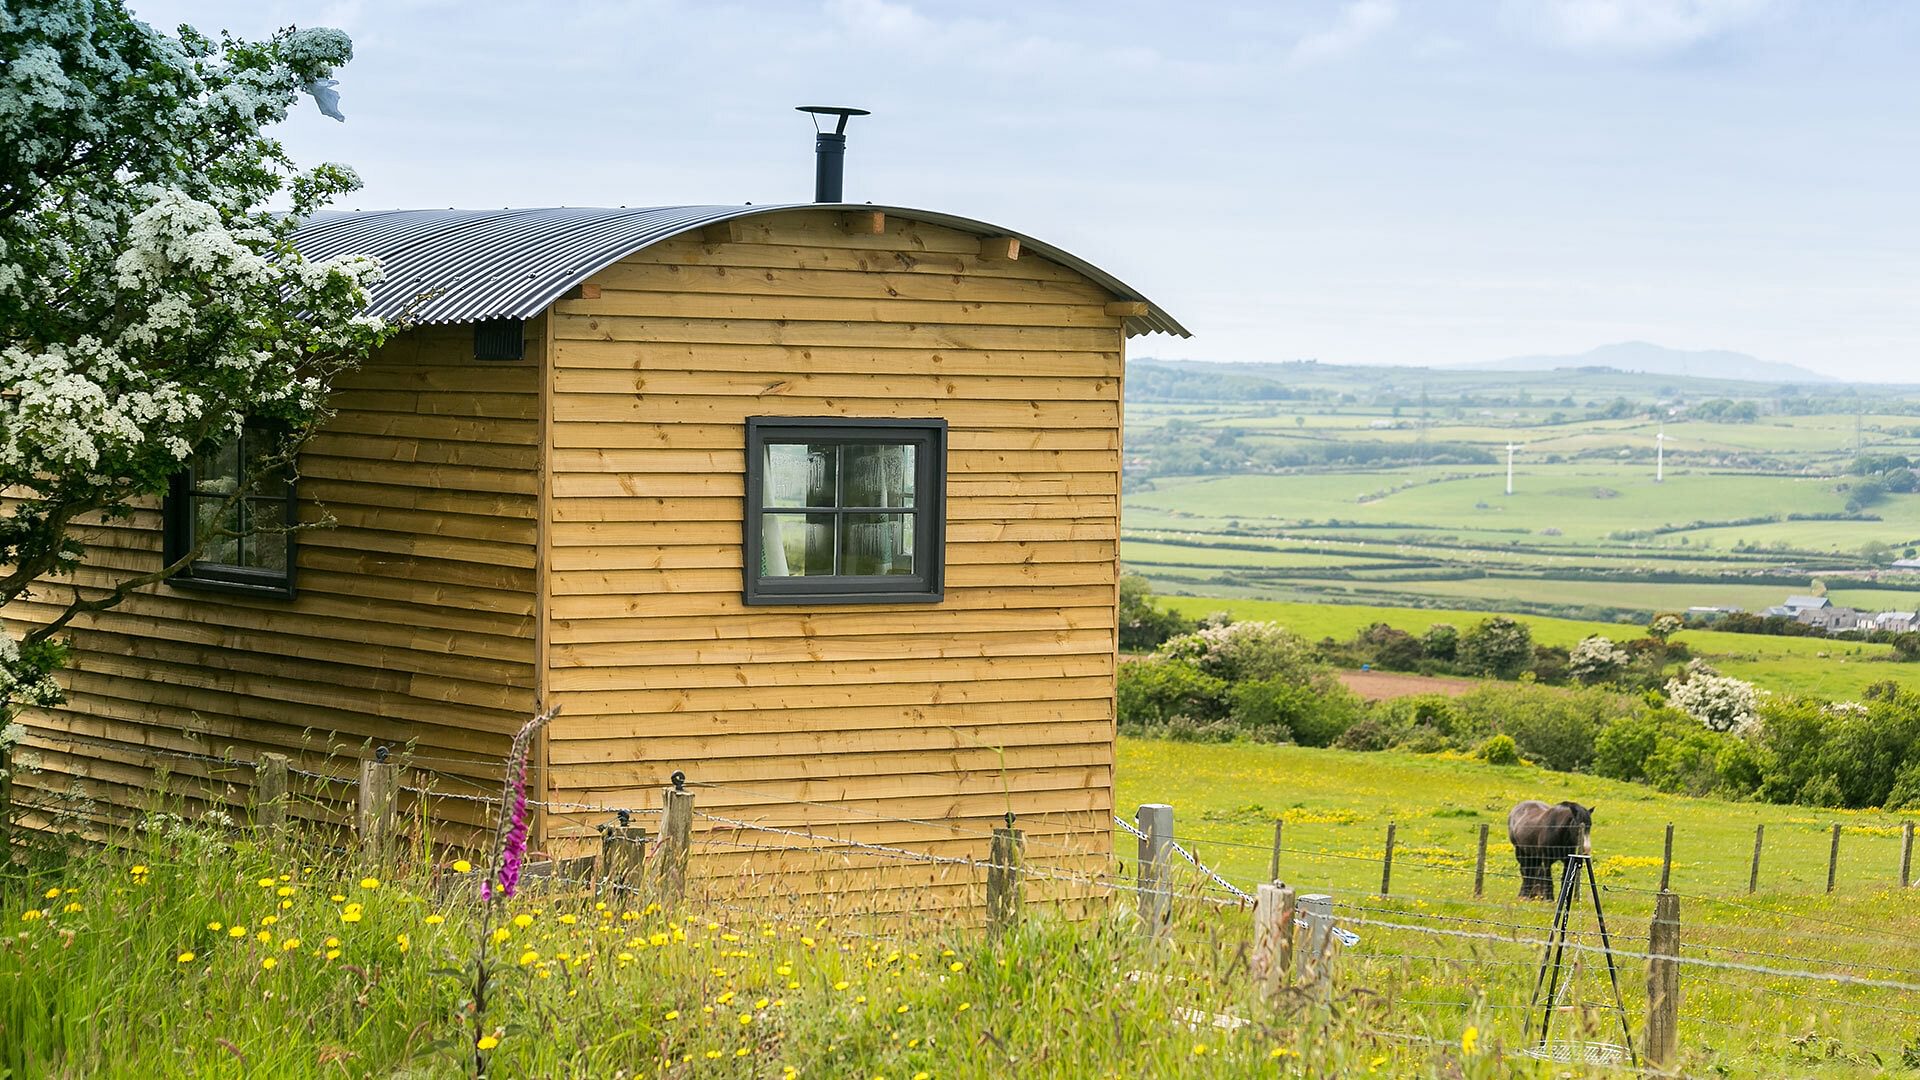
1336	807
1779	664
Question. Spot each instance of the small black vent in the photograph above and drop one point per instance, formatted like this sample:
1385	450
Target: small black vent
499	339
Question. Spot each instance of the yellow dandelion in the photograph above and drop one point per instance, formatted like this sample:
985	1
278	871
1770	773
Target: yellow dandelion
964	1006
349	916
1199	1049
528	957
290	944
761	1004
842	985
793	986
673	1014
462	866
956	967
53	893
333	954
214	926
32	914
286	905
783	971
901	1009
265	937
269	963
236	931
333	943
403	941
501	934
284	890
1469	1039
184	958
523	921
434	920
369	883
713	1055
745	1019
336	898
73	907
742	1052
568	920
629	916
860	1000
138	870
625	958
266	883
269	920
487	1042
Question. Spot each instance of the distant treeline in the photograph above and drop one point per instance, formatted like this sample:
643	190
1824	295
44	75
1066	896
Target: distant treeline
1182	448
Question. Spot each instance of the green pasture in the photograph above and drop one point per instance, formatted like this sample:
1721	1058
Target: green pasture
1815	666
1445	957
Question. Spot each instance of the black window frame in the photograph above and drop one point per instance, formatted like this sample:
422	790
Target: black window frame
926	586
177	519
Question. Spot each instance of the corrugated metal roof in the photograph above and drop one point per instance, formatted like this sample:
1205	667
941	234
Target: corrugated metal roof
456	266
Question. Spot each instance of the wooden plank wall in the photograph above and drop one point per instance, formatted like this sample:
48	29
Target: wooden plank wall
912	724
414	621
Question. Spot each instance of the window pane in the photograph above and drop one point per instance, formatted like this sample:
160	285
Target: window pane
796	545
216	470
257	446
267	550
879	474
876	545
799	474
207	519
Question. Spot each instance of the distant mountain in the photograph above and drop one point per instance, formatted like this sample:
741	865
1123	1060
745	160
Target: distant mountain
1653	359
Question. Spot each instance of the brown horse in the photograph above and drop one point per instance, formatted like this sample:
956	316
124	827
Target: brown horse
1543	835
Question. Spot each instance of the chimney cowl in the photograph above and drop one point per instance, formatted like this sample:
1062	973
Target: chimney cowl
829	150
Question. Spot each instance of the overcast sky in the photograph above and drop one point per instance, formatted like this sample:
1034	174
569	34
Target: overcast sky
1353	180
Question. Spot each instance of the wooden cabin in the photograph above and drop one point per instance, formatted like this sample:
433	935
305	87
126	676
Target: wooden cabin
818	504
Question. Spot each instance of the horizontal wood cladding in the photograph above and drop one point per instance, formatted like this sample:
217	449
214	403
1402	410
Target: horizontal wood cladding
413	624
999	697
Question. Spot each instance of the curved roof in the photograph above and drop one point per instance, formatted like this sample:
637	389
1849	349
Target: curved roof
455	266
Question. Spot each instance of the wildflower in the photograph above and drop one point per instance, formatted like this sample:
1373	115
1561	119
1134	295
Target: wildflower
350	915
513	848
860	1000
742	1052
923	1075
625	958
487	1042
1469	1039
369	883
184	958
724	998
528	957
137	871
567	920
286	905
284	890
266	883
73	907
523	921
265	937
403	941
713	1055
501	934
462	866
336	898
214	926
842	985
658	939
783	970
673	1014
290	944
53	893
269	920
435	919
1199	1049
269	963
745	1019
901	1009
333	943
956	967
964	1006
333	954
236	931
761	1004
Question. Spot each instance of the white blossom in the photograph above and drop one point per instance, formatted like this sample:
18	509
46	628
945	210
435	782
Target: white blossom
1721	702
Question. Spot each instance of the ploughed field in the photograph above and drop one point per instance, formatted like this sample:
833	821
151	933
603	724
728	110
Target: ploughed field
1449	959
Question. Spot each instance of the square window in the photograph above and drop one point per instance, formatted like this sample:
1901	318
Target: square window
844	511
243	542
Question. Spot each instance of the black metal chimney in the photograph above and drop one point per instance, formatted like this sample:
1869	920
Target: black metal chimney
829	151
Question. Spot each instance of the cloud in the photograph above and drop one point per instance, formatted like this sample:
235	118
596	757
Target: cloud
1639	26
1360	21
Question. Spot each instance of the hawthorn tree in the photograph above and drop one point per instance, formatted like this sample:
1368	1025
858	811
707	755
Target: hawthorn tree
151	301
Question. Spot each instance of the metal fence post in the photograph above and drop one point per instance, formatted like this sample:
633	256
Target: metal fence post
1753	876
1386	864
1155	878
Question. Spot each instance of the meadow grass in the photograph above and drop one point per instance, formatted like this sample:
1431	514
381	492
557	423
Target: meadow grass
1821	667
1336	806
206	955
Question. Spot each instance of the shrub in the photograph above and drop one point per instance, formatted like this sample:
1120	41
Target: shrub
1721	702
1156	692
1621	750
1368	734
1247	650
1906	788
1441	641
1388	648
1549	665
1497	646
1596	659
1143	624
1665	625
1275	710
1499	750
1436	712
1553	727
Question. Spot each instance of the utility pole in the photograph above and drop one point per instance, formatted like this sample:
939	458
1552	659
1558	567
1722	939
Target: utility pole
1511	447
1660	457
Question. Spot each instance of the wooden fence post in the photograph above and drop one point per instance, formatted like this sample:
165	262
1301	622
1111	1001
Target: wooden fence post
1753	876
1666	859
1004	893
1480	864
1272	937
1315	914
379	790
1833	857
1906	852
270	792
1663	982
623	855
1386	864
1273	864
1155	879
676	838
